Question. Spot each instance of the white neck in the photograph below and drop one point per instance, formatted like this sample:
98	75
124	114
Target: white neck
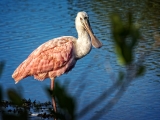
83	44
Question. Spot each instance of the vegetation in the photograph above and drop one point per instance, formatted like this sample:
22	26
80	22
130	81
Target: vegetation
125	36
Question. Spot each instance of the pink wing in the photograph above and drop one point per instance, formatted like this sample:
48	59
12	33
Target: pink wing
51	59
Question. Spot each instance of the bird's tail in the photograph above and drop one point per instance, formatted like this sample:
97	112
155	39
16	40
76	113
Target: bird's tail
20	72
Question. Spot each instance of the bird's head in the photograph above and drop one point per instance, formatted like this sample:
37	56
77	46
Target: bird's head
82	23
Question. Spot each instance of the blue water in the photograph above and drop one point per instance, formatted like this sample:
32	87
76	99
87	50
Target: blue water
26	24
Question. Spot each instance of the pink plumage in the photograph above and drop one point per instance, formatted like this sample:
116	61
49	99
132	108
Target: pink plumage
59	55
49	60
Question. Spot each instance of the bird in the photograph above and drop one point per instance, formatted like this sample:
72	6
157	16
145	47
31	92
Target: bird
59	55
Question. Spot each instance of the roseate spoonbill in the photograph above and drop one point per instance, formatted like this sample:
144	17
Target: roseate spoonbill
59	55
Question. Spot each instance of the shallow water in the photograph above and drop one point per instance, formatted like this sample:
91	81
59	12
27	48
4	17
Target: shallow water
26	24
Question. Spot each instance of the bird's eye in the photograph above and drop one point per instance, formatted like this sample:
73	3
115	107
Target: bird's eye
80	18
85	18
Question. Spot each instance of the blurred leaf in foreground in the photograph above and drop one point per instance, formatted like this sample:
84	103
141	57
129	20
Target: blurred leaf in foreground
14	97
2	64
125	35
65	102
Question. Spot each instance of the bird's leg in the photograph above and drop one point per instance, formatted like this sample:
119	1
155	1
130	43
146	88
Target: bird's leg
53	98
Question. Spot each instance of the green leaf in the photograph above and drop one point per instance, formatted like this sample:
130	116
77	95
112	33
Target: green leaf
65	101
14	97
2	64
120	57
125	36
